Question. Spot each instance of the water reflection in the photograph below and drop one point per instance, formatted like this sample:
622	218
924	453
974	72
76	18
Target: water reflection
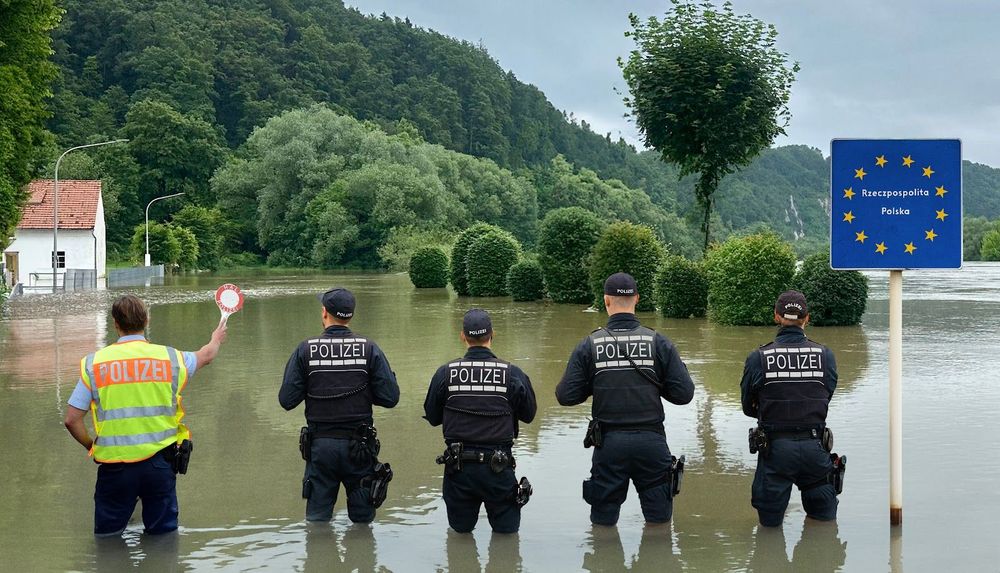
355	550
604	552
141	552
818	550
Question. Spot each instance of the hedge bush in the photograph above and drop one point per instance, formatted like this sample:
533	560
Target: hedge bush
990	249
488	260
525	282
681	288
745	276
188	258
164	246
835	298
630	248
566	239
459	272
429	268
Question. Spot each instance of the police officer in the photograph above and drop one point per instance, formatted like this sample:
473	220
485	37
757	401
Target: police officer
340	375
627	368
478	399
787	385
134	390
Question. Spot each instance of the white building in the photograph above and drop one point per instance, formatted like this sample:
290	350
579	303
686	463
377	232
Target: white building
81	237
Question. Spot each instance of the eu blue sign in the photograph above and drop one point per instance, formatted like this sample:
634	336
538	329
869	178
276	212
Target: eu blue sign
896	204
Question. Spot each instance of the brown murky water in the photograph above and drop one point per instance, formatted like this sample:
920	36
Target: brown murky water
240	504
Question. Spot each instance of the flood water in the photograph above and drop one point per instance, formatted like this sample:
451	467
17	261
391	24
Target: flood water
240	501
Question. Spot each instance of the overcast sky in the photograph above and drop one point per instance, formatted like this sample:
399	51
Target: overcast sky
900	68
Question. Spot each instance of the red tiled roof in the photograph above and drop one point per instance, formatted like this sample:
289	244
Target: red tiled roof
78	201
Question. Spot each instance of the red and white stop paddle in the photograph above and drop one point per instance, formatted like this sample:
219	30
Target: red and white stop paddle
229	297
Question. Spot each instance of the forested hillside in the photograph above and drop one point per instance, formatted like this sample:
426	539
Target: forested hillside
188	81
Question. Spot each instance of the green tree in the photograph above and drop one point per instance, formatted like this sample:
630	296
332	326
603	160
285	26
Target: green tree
627	248
489	259
835	298
459	273
187	258
990	250
566	238
208	227
25	77
429	268
709	90
164	246
745	276
681	288
525	282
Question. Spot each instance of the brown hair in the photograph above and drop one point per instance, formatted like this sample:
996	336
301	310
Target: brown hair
130	314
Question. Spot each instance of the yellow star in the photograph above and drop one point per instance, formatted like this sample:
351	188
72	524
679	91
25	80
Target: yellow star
860	173
861	237
941	214
930	235
907	161
928	171
909	248
880	161
880	248
940	191
849	193
849	216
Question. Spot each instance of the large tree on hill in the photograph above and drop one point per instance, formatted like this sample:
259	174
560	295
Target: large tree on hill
25	76
709	90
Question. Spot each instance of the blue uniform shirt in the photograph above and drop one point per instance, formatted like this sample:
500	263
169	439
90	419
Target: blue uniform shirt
81	397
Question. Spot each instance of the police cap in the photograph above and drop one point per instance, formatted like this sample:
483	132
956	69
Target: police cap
791	304
338	301
477	323
620	284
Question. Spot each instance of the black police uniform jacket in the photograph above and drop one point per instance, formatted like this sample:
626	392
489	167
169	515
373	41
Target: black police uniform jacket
339	375
478	399
600	366
787	384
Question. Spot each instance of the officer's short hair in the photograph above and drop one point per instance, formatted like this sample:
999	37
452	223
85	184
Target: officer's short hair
130	313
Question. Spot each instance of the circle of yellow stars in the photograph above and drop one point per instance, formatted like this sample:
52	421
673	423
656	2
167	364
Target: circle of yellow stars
881	248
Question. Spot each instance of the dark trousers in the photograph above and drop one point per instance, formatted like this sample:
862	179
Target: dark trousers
476	485
640	456
331	466
121	485
802	462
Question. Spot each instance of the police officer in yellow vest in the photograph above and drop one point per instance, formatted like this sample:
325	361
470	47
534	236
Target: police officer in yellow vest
133	388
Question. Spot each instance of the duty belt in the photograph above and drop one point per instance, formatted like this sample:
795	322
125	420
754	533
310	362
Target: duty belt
813	434
337	434
658	428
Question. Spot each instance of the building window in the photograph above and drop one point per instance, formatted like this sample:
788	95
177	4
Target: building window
59	259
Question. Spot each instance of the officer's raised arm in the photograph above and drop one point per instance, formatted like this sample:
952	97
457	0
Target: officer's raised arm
385	388
293	385
678	388
750	384
576	384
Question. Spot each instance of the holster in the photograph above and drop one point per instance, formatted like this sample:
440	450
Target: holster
182	456
451	458
522	492
305	443
827	440
676	474
758	441
839	468
593	437
379	483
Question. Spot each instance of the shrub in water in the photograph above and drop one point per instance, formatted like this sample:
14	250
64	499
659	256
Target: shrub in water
429	268
835	298
459	273
629	248
745	276
566	239
681	288
488	260
524	281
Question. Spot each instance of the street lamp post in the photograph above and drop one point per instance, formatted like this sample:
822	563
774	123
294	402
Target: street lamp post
55	207
148	260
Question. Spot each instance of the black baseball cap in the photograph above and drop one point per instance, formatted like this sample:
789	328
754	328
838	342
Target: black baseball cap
338	301
620	284
792	305
476	323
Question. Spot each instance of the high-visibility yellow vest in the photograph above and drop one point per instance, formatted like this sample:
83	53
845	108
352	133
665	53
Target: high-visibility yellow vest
135	390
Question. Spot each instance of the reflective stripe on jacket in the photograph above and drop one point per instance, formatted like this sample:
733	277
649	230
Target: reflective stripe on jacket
135	399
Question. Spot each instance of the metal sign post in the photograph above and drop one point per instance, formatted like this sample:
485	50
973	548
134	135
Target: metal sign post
896	204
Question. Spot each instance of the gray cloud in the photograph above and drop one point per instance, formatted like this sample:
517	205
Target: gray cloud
914	68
